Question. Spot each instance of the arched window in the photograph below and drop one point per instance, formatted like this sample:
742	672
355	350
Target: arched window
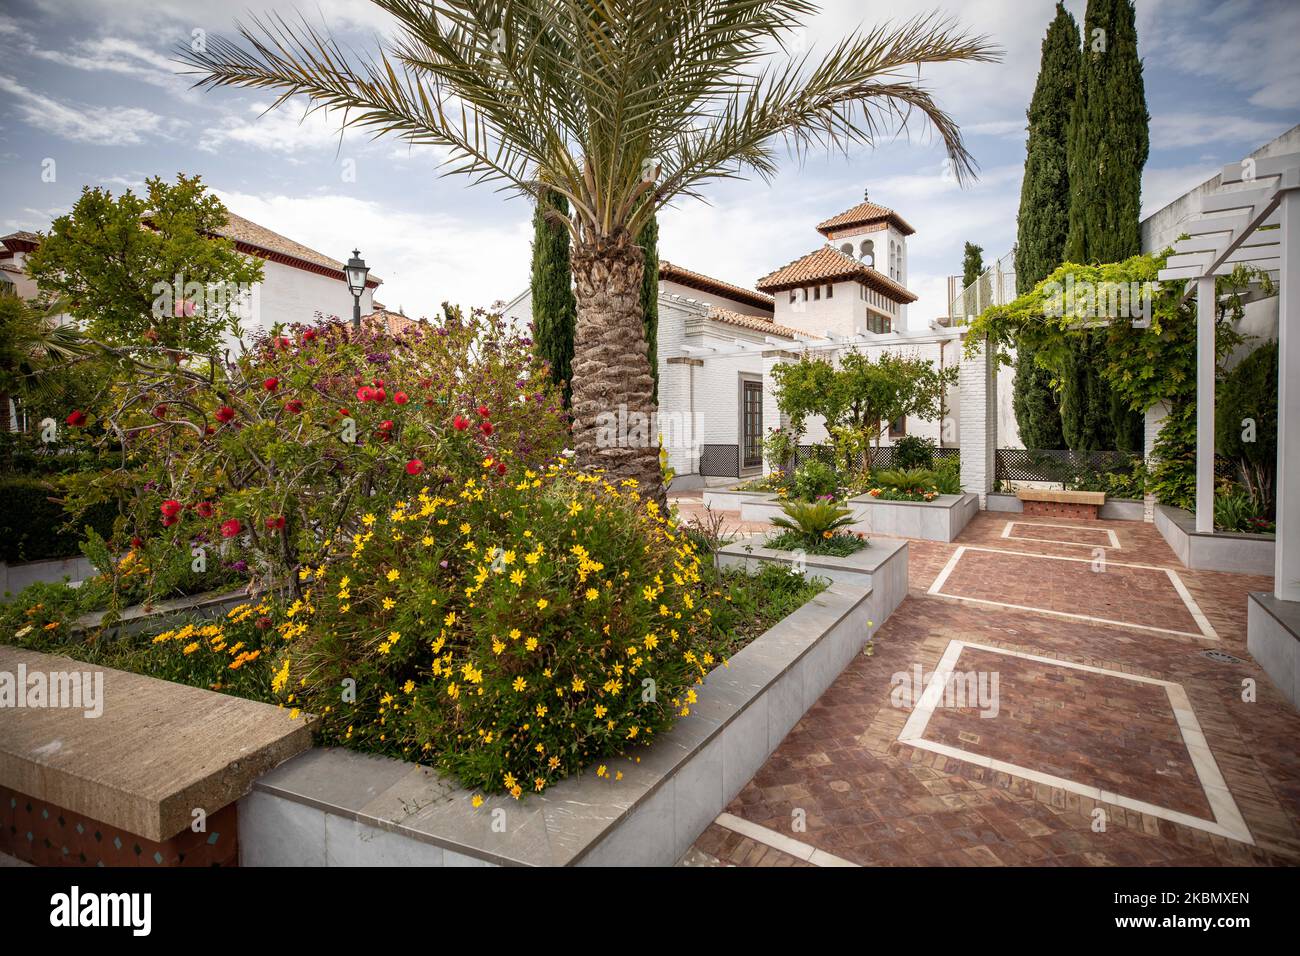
867	252
847	248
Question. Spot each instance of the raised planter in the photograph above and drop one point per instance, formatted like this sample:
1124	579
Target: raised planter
1115	509
138	617
336	807
1273	639
940	520
116	772
729	499
1216	551
15	577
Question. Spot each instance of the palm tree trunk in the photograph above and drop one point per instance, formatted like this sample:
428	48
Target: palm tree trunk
614	411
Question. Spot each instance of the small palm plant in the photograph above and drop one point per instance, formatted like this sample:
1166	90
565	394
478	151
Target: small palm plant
905	479
621	107
814	520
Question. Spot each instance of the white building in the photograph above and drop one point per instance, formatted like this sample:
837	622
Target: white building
718	342
297	281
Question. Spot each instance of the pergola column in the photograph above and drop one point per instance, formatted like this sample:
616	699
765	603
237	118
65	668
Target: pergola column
977	381
1205	368
1286	576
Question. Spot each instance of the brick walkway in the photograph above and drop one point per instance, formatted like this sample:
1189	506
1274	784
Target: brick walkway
1111	738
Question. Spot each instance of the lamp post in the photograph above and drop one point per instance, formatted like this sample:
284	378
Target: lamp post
356	271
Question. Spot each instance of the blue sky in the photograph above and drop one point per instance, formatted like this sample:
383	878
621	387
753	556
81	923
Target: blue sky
90	85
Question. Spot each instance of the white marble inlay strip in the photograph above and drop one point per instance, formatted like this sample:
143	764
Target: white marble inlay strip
779	841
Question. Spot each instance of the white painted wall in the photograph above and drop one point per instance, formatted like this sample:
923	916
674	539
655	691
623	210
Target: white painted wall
288	294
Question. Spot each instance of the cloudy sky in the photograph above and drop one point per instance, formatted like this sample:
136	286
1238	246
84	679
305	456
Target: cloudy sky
91	86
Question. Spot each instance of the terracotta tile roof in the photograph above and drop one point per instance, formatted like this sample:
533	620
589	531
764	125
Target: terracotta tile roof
827	265
863	214
755	323
393	322
260	240
697	280
21	240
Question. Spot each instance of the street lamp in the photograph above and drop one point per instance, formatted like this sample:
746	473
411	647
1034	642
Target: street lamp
356	271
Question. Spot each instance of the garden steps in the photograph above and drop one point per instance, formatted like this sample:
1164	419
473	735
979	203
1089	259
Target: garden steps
157	752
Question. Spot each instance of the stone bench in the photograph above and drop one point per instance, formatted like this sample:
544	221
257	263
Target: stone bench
1061	504
129	770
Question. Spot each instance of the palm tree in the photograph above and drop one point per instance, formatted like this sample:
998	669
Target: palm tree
34	350
621	106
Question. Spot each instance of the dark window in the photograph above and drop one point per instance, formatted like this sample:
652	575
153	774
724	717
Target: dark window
752	412
817	292
898	428
830	292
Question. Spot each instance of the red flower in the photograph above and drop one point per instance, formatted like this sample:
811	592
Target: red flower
309	335
501	468
204	508
231	528
379	395
271	384
483	411
414	466
209	430
169	521
345	413
386	426
365	393
76	419
460	423
282	342
400	398
225	414
136	542
276	523
170	508
293	406
486	428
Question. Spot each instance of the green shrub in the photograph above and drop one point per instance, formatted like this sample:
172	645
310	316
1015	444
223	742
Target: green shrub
34	525
947	476
814	479
913	451
905	479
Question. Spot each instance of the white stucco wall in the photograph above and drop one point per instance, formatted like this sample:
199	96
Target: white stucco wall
288	294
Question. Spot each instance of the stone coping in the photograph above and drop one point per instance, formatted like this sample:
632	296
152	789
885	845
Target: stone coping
157	752
139	616
1231	551
1064	497
866	560
1185	521
650	817
942	501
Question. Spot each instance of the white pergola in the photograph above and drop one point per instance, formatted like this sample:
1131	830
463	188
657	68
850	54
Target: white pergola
1257	224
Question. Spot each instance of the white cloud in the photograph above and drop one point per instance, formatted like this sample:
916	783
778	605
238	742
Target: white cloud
288	129
423	259
123	57
1185	129
98	125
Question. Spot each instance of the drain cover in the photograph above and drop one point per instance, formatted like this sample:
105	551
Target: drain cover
1222	657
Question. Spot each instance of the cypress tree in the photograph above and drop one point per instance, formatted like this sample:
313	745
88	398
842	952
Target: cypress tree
1044	217
1107	148
648	240
555	308
972	264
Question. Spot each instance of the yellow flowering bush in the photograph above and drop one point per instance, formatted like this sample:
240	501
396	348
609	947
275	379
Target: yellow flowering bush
510	632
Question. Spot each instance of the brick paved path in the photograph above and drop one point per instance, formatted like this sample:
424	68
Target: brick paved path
1114	743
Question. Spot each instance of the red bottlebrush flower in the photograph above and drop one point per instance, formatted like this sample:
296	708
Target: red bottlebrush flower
136	542
483	411
282	342
170	508
159	411
275	523
77	419
365	393
204	508
225	414
414	466
401	398
378	383
293	406
486	428
271	384
309	335
170	520
380	395
231	528
386	426
460	423
501	468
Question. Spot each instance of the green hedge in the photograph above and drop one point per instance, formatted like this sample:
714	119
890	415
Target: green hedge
32	527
